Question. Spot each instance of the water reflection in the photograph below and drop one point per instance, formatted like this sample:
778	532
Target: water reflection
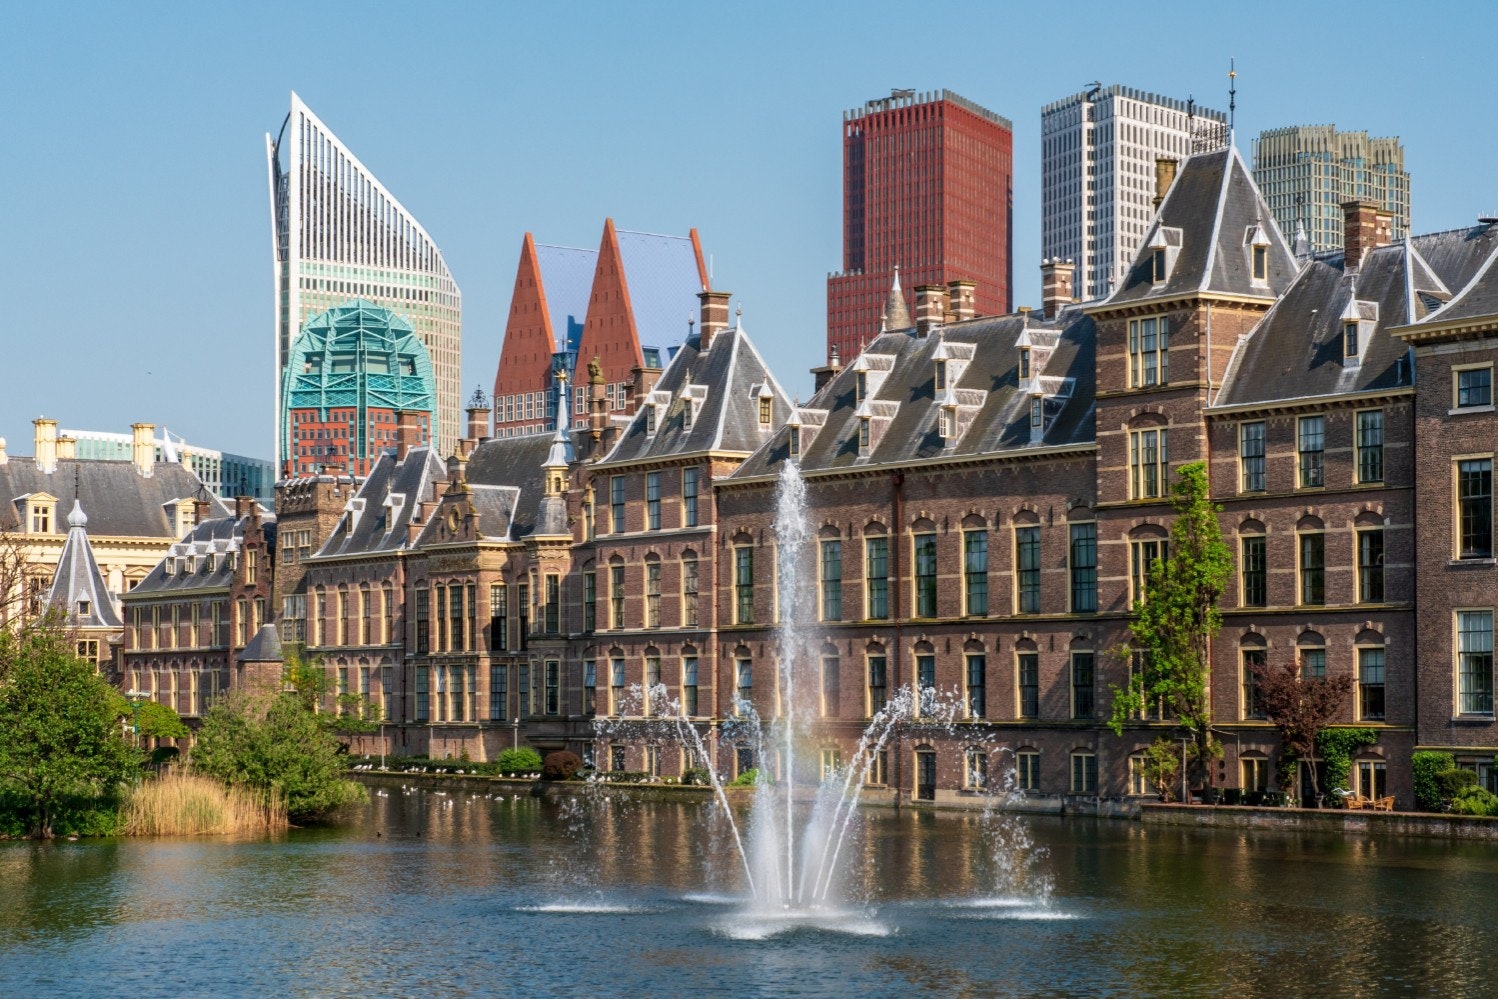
480	894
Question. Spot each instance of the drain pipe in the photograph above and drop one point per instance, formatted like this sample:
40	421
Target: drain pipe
897	537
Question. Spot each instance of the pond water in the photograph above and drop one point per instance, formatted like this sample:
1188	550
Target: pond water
470	895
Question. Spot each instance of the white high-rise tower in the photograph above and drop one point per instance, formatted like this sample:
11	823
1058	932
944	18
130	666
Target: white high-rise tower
337	234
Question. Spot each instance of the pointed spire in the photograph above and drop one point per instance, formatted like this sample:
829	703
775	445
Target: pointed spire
1301	246
78	588
896	312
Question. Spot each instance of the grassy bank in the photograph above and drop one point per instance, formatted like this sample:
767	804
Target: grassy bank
189	805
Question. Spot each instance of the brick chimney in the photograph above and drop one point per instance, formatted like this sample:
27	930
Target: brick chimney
598	412
960	300
1365	226
201	508
1056	286
930	307
46	444
407	431
714	316
143	448
478	417
1165	175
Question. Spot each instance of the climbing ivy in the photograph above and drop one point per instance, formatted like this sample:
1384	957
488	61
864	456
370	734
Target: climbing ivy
1424	766
1336	746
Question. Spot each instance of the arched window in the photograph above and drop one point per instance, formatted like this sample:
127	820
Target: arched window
1370	655
1311	648
1253	654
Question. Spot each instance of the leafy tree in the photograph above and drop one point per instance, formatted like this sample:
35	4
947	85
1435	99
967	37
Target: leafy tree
275	742
59	737
1300	706
153	719
312	682
1425	768
1162	767
1176	619
522	760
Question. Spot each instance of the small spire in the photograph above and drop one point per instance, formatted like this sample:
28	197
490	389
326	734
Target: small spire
77	518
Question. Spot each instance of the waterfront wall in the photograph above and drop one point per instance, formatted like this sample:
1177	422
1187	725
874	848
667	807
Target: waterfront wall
1333	821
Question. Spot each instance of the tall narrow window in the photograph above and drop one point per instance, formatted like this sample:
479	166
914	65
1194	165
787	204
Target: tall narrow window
1143	554
977	685
455	617
743	681
1027	770
1255	572
423	623
1474	657
1313	568
652	681
1313	659
689	592
743	584
689	497
876	569
832	580
925	575
1261	263
1024	363
975	571
1371	567
1371	445
524	602
1371	684
1027	569
877	684
689	686
925	681
1081	684
1084	773
553	687
1083	559
616	503
1029	684
1474	497
590	687
831	686
941	374
1149	458
1252	659
653	498
616	596
423	694
1251	457
616	685
652	594
1312	445
590	601
1149	351
553	605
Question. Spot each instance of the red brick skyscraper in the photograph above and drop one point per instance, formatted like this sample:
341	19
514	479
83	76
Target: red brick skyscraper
927	186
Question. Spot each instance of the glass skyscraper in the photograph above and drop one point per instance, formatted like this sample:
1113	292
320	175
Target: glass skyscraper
338	235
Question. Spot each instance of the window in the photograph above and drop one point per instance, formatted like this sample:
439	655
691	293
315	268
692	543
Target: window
689	592
925	575
876	568
1370	567
831	689
1143	554
251	565
1024	363
41	522
877	684
1251	457
1255	571
1029	684
1037	414
1371	684
1082	664
1254	773
652	594
1312	451
1261	263
1474	386
1252	658
1371	445
650	419
925	682
1474	499
1027	770
1148	460
689	498
1027	569
1373	778
878	769
793	441
863	435
1149	348
1157	265
1312	657
832	580
975	571
616	503
590	601
1083	568
1138	783
553	687
525	614
616	596
941	374
975	769
977	685
743	682
653	496
552	612
832	764
590	687
1083	773
860	386
423	624
689	686
616	684
527	706
1474	657
423	694
743	584
764	411
652	681
1313	568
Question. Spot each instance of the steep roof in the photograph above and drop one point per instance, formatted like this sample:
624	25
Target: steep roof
203	560
120	501
378	514
78	588
664	274
506	483
1458	254
722	387
1479	296
1207	221
264	647
566	275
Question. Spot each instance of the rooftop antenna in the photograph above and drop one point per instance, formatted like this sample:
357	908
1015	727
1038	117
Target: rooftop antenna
1232	95
1093	89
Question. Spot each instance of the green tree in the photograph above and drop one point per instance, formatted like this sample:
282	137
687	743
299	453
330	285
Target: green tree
275	741
59	734
1162	768
311	681
1176	619
153	719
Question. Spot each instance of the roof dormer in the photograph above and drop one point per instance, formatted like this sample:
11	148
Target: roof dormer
1256	247
1357	323
764	405
1163	248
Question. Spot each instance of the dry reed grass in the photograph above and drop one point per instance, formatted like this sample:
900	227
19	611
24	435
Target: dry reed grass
182	804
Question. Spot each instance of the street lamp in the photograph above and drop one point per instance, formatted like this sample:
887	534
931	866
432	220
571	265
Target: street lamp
135	697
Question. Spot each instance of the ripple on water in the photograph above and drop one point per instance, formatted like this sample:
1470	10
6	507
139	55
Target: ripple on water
587	908
767	926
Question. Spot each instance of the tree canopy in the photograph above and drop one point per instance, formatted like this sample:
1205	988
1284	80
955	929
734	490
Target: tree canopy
1300	706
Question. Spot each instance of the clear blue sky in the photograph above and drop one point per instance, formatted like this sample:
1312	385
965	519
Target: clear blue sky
136	251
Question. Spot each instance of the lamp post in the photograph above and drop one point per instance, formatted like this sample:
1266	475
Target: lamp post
515	733
1185	791
135	697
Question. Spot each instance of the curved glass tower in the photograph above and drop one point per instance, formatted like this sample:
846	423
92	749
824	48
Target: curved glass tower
337	235
350	374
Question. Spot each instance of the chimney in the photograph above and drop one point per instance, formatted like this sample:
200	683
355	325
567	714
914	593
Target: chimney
1365	225
143	448
478	417
828	371
930	306
201	508
67	448
714	316
960	302
243	507
1055	286
407	431
598	413
46	444
1165	175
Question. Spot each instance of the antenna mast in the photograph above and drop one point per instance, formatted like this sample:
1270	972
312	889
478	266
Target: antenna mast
1232	94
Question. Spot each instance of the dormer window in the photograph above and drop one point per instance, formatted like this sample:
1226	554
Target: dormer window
1037	413
169	566
941	374
1157	265
793	442
1350	339
946	423
686	414
863	435
1261	263
1024	363
650	419
764	411
860	387
41	519
83	608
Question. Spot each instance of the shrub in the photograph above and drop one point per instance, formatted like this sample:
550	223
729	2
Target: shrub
1474	800
1452	782
1424	767
560	765
696	775
523	760
623	776
748	778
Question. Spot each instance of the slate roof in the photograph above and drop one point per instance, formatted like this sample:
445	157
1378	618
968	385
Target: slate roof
506	483
722	385
1479	296
201	560
567	279
663	278
265	647
1296	350
78	587
378	514
993	403
1458	254
1206	219
120	502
